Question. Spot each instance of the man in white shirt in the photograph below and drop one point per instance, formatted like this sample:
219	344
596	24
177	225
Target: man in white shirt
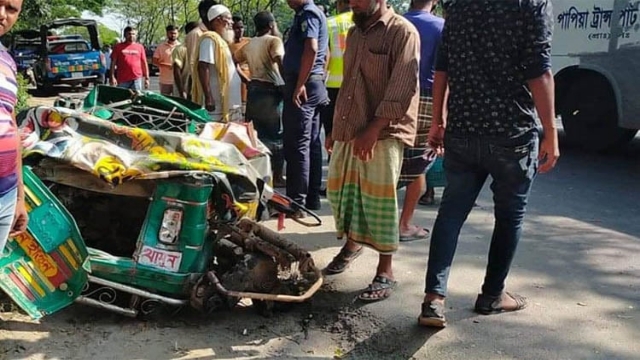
218	85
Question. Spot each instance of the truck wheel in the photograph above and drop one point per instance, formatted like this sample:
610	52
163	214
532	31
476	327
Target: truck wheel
44	89
590	117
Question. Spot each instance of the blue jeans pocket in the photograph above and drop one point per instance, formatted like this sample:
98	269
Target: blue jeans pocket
457	153
517	161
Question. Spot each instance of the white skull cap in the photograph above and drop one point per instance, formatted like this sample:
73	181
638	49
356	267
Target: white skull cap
217	10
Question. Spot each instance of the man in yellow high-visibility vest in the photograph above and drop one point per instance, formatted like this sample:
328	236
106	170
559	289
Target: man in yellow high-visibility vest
338	26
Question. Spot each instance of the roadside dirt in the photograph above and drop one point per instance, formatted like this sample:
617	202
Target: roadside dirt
329	326
577	264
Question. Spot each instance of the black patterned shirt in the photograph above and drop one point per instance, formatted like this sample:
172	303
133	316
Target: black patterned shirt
489	49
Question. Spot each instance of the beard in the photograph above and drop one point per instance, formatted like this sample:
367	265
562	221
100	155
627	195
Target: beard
228	35
361	18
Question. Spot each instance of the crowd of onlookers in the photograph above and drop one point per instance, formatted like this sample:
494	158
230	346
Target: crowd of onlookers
391	91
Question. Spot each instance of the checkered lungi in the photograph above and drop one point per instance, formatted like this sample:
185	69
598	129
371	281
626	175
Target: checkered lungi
363	196
419	158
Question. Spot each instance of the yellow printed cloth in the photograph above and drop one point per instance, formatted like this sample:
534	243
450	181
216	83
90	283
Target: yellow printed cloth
117	153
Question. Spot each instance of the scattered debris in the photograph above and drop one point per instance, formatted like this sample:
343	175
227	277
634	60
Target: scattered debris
178	350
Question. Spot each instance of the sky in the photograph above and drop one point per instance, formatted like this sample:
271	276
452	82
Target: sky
110	20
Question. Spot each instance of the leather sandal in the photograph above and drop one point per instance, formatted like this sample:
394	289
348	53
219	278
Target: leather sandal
487	305
341	262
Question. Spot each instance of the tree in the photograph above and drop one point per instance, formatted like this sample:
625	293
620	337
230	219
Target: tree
399	6
107	36
37	12
150	17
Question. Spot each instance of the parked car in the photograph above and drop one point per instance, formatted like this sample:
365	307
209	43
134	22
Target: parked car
23	46
71	59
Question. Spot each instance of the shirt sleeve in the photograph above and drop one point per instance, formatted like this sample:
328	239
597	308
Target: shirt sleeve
178	56
403	82
310	25
442	51
143	53
535	43
207	52
276	49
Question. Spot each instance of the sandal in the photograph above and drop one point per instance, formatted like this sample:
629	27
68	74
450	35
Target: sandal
487	305
432	314
380	284
416	233
428	198
341	262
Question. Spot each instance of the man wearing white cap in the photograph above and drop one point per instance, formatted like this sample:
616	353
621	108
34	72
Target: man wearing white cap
217	84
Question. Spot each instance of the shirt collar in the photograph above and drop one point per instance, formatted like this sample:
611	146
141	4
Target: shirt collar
384	19
305	6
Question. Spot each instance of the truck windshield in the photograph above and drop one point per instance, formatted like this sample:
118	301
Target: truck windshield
26	47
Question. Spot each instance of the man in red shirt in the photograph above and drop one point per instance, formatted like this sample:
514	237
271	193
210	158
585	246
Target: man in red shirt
129	63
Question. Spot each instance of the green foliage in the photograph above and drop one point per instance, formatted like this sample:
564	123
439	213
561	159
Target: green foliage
107	35
23	95
37	12
151	16
400	6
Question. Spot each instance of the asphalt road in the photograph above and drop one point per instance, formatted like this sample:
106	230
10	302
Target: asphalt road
577	263
62	90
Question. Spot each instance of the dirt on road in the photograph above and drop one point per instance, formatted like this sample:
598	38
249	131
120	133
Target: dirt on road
577	264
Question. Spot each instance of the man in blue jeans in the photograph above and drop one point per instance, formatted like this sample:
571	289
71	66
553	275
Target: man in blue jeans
495	57
304	94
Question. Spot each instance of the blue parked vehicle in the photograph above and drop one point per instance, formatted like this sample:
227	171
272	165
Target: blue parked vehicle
24	46
69	59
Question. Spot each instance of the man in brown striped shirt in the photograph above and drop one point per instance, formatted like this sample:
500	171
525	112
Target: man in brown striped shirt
375	117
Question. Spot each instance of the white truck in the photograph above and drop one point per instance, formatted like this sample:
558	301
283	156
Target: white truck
596	63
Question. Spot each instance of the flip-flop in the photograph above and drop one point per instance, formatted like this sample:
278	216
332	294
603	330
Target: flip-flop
379	284
341	262
416	234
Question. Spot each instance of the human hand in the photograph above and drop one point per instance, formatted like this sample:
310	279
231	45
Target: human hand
300	96
113	81
436	137
20	219
328	144
146	84
365	143
549	151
